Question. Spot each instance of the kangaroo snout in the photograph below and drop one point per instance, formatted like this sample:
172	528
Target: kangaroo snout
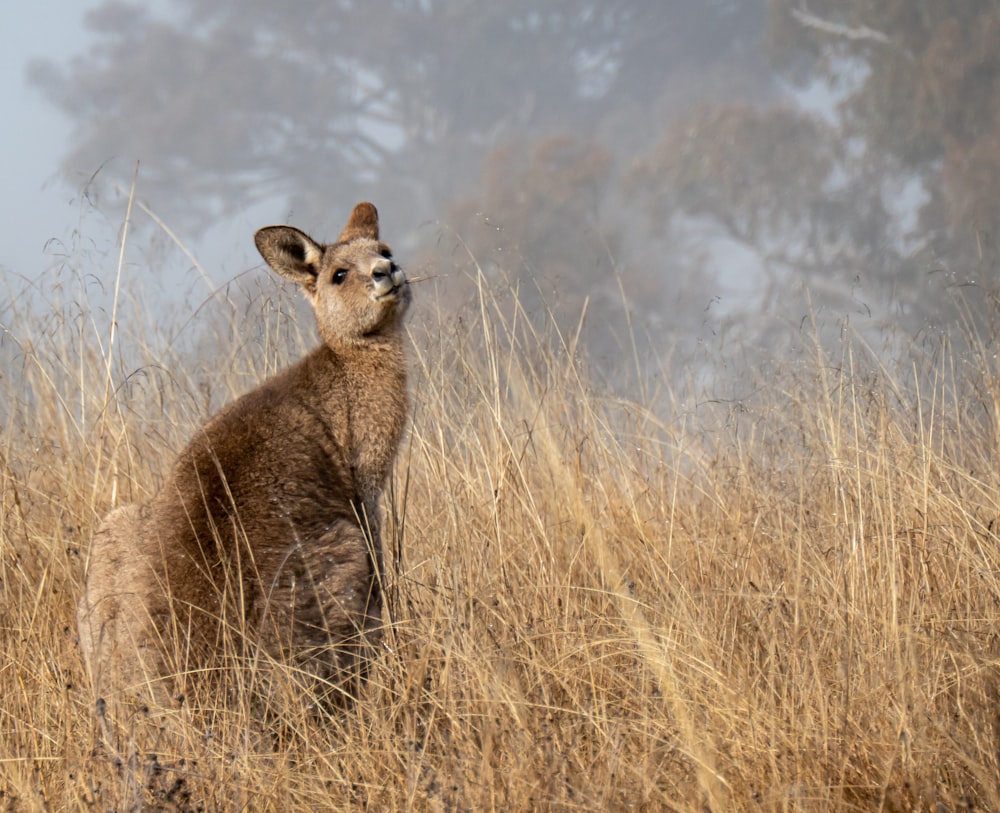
387	278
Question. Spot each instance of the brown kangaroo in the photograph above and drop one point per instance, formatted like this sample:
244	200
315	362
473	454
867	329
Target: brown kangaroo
266	530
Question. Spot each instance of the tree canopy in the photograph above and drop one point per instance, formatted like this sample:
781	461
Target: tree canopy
923	95
232	102
842	142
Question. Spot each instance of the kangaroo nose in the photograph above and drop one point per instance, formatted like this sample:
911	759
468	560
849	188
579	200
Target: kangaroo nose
383	282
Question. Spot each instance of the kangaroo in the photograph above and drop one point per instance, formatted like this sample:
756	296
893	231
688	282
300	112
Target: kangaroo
267	523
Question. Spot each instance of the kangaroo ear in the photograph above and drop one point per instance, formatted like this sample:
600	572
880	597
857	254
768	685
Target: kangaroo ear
363	223
290	252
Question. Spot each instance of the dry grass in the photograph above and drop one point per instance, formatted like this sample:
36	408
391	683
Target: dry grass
786	601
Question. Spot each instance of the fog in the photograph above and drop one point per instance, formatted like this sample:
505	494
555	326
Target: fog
686	172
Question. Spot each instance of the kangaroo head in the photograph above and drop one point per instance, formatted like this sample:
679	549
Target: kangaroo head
356	289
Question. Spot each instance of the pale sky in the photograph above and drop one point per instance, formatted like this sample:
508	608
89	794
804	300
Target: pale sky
40	212
36	202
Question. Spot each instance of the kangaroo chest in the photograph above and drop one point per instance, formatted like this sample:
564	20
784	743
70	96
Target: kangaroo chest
375	404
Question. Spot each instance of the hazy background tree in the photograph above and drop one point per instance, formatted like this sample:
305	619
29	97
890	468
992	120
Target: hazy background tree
875	178
228	103
697	159
921	92
435	108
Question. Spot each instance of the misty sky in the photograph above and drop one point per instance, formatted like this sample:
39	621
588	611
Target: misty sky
40	208
36	204
475	170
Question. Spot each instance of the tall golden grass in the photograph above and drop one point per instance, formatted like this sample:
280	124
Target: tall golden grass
787	599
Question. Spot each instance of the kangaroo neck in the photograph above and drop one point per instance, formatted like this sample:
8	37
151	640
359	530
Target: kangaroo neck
366	397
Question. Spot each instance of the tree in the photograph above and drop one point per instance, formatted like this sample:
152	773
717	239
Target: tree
896	175
781	184
228	103
521	115
926	96
533	196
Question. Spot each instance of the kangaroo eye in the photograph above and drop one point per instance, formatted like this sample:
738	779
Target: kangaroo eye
386	253
339	276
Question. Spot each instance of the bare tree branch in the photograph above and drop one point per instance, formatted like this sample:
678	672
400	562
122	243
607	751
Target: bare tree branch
853	33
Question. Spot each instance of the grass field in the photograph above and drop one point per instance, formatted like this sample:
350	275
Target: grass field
785	599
